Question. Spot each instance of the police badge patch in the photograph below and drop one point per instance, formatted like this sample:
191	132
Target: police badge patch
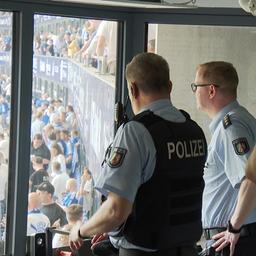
116	158
241	146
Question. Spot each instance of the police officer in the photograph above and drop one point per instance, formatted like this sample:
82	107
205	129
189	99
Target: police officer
233	131
153	178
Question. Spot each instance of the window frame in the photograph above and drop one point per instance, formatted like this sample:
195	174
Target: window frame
131	40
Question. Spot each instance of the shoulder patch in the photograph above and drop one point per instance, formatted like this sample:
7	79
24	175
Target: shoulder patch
226	121
241	146
116	158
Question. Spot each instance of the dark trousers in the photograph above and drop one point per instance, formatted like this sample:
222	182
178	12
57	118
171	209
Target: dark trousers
178	251
244	247
105	248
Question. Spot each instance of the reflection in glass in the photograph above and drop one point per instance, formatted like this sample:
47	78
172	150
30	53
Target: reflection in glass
87	41
74	67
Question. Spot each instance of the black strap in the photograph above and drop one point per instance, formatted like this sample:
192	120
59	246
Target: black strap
210	232
246	231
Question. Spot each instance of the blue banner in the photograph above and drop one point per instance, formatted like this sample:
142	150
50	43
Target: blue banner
51	68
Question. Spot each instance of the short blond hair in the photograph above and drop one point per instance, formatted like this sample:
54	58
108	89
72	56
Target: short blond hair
74	212
220	73
56	166
150	71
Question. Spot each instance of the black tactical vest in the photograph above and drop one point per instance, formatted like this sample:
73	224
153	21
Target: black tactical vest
167	208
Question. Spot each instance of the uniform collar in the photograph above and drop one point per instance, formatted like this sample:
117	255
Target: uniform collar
156	105
216	120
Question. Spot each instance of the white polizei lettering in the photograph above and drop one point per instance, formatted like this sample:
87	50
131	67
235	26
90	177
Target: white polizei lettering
187	155
195	154
179	146
203	147
200	147
186	149
171	149
191	148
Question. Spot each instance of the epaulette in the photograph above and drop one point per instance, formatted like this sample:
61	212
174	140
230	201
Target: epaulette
226	121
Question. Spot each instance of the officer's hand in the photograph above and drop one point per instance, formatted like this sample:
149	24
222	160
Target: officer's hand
75	242
225	238
98	238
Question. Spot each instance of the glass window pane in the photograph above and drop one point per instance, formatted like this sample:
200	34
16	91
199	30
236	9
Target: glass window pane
5	99
186	46
74	67
151	43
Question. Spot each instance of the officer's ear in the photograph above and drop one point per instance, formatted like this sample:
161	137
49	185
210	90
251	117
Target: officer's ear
134	90
170	86
212	91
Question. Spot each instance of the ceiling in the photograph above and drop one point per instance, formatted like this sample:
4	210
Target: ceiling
168	3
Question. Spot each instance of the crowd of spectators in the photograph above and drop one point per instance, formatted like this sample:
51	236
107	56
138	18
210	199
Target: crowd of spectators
94	44
5	34
62	185
5	43
5	96
58	184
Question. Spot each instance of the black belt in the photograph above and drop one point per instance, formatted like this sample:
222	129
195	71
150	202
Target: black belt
246	231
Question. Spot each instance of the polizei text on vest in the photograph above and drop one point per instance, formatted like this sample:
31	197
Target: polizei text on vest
186	149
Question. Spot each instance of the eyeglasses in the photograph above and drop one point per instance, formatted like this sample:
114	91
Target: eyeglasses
194	86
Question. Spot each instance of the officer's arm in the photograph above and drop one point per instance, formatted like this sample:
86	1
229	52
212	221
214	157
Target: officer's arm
100	45
245	204
247	193
250	170
111	214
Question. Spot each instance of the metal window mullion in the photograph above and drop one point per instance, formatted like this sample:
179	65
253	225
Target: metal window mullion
133	35
126	52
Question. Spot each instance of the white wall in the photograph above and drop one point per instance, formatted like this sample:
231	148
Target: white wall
186	46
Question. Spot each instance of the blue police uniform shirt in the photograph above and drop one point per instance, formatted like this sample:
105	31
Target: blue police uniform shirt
228	151
136	158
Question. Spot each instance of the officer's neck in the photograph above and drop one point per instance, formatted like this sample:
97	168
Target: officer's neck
146	100
218	105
